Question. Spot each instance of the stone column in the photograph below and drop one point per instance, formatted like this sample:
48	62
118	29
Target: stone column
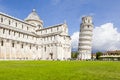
0	49
10	49
7	49
4	48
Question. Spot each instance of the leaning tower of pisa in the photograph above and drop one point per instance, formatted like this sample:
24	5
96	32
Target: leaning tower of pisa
85	38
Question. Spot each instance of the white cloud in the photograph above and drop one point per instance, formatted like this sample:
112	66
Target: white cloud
75	38
105	37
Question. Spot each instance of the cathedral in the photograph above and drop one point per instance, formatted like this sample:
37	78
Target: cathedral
28	39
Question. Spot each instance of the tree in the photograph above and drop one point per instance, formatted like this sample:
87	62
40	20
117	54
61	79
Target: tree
98	54
74	54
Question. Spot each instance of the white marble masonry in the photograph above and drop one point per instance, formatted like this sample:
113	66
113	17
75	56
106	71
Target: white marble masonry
29	40
85	38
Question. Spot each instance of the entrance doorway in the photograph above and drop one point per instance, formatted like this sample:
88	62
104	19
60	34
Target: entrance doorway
51	55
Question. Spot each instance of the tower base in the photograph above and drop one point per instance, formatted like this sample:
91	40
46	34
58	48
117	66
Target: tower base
84	56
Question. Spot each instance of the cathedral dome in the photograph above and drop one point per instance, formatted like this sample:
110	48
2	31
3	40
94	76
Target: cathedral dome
34	19
33	16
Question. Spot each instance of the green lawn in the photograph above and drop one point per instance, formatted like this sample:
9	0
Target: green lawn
59	70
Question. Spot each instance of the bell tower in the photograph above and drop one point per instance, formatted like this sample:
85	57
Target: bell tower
85	38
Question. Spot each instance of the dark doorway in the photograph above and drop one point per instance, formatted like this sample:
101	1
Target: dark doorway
51	55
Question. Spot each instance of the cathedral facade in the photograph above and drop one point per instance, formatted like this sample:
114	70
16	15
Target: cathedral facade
29	40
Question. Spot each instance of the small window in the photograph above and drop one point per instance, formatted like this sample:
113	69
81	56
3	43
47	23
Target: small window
27	28
14	33
54	37
45	49
9	22
39	26
13	44
16	24
22	26
2	43
30	46
1	19
17	42
9	32
22	46
3	31
19	34
88	26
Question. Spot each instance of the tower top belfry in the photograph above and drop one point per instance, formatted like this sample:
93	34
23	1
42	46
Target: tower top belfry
87	19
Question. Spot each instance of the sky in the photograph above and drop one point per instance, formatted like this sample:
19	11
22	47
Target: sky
105	13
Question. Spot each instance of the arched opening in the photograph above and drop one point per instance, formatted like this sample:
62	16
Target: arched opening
51	55
2	43
39	26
